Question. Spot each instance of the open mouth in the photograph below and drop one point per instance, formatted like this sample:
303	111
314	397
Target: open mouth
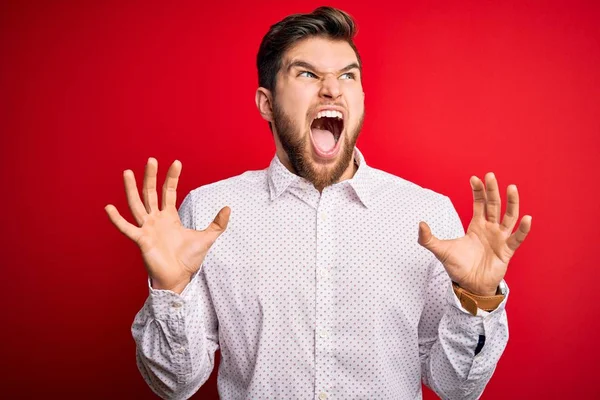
326	130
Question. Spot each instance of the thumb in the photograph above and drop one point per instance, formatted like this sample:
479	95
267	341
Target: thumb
427	240
219	224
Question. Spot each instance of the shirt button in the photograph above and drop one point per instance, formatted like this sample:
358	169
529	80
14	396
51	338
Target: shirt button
176	304
323	216
324	273
181	349
322	396
323	333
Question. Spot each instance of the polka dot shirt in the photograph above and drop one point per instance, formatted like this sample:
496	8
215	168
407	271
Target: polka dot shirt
312	295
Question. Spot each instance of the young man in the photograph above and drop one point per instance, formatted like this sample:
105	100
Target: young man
326	283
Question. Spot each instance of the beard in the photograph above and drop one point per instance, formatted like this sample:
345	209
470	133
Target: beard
295	145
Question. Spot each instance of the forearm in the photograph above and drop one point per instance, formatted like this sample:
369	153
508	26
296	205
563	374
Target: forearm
173	353
455	365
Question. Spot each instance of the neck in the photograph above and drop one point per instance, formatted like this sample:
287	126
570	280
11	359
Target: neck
348	173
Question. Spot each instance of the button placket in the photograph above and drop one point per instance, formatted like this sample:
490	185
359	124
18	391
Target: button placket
324	323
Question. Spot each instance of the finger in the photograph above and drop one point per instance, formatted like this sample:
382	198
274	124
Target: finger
492	206
479	198
219	224
150	196
430	242
169	193
515	240
512	208
133	197
129	230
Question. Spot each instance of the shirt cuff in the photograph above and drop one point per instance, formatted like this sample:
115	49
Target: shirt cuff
166	304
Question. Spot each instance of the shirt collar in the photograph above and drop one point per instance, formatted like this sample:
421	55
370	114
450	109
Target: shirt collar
280	178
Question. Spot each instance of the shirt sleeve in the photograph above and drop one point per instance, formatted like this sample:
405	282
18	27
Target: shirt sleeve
176	335
458	351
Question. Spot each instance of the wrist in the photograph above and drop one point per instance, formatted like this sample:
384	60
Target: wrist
178	287
471	301
479	291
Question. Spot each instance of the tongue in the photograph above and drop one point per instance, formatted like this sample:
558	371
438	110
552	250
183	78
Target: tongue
323	139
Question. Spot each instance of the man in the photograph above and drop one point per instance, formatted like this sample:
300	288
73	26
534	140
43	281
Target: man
326	283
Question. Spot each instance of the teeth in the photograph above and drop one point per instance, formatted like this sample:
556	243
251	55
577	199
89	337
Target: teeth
330	114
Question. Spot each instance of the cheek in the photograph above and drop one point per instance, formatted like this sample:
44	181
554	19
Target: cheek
358	106
296	107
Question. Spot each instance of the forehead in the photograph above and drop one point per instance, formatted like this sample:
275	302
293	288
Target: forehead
323	53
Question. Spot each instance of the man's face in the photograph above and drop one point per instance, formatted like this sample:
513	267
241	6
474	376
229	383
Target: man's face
318	110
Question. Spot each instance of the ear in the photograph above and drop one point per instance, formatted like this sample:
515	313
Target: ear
264	103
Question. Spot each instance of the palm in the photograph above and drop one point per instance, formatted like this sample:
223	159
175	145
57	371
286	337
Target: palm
478	261
168	249
171	252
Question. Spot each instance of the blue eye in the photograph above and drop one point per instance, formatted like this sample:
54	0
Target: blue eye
307	72
350	74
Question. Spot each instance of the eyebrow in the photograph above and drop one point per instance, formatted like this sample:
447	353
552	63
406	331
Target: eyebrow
304	64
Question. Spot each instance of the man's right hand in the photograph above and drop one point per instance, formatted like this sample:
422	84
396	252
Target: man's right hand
171	252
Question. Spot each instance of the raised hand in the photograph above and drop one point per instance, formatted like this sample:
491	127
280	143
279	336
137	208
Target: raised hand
478	261
171	252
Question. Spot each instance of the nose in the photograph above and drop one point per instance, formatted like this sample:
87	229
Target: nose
330	87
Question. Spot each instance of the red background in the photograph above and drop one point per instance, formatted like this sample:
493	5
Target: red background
88	89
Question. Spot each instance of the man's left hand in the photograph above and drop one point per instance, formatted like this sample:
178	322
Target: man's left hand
478	260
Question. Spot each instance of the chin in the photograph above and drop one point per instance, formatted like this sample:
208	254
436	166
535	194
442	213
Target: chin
322	172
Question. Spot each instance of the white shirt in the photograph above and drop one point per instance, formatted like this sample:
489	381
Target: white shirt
314	295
